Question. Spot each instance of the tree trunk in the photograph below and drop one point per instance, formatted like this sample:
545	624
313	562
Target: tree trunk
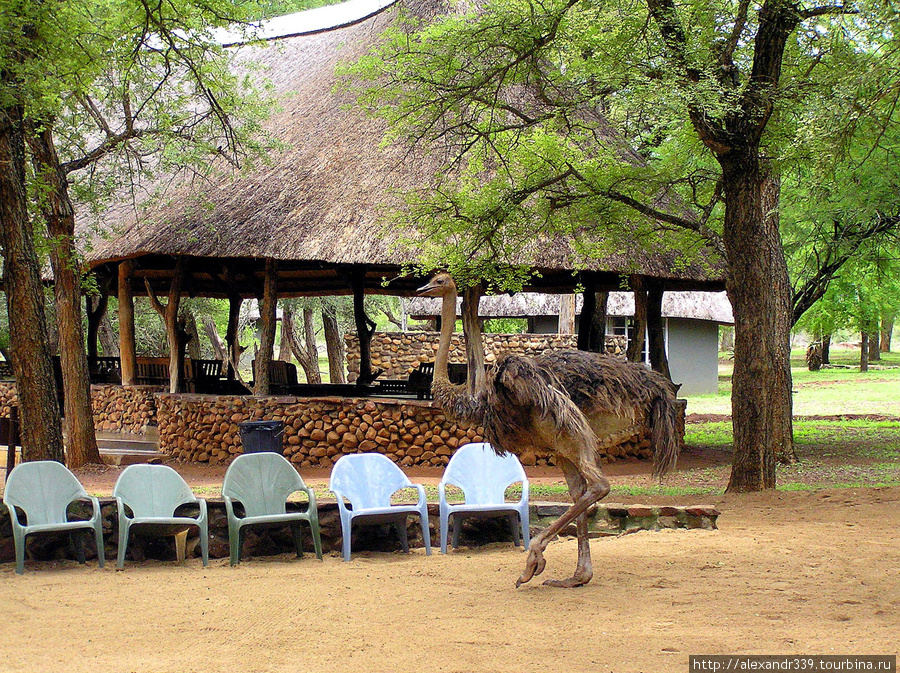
95	309
656	332
887	330
41	427
267	316
864	352
826	349
220	352
176	337
109	338
758	286
472	329
284	346
127	348
231	335
592	322
59	216
636	343
302	351
334	344
192	333
312	348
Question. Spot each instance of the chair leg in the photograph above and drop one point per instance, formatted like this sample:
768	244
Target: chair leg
513	519
234	544
298	538
75	537
101	548
124	530
317	537
444	525
180	546
204	543
19	542
426	533
400	526
456	522
346	527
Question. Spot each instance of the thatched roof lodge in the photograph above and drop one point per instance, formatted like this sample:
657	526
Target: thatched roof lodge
318	208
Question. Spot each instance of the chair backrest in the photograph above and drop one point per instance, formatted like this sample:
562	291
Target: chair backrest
152	490
482	474
367	479
262	482
43	489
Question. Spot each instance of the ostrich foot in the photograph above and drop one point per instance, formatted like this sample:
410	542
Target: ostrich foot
534	565
575	581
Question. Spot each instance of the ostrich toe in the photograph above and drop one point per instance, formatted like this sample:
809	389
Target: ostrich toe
534	565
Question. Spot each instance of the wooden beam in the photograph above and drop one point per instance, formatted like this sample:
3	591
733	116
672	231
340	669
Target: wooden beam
127	350
267	317
656	335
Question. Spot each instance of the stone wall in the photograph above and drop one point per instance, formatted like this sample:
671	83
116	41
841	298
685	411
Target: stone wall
116	409
398	353
204	428
124	409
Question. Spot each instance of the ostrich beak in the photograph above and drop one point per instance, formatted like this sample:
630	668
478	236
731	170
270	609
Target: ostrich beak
425	289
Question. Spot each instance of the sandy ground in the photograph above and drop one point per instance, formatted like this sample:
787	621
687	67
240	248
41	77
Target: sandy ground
786	573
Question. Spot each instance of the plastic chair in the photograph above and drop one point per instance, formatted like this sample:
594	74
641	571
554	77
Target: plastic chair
43	490
483	476
262	482
153	493
367	481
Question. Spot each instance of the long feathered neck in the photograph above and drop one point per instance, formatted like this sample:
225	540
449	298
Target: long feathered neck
448	324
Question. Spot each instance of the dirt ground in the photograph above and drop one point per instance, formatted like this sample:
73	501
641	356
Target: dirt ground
809	572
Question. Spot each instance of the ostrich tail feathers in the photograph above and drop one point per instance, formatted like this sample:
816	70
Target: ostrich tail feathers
663	438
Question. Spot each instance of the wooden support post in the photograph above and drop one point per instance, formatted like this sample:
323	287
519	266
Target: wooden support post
636	343
365	327
127	350
95	309
656	334
472	327
566	323
267	317
592	322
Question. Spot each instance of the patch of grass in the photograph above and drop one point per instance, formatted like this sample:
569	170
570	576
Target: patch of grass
663	490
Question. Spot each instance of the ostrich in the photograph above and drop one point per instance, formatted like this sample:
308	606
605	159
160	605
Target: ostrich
571	404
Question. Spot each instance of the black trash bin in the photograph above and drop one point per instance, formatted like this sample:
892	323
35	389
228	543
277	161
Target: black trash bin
259	436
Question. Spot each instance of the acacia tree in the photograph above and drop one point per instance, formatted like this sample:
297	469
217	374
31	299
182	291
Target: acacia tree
142	83
666	116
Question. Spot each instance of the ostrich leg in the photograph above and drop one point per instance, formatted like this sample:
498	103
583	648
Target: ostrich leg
586	489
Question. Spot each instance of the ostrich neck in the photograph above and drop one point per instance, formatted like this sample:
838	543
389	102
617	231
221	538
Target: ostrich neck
448	324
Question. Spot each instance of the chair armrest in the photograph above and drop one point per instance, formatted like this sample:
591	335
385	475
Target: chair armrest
120	507
13	516
310	494
525	491
422	499
340	501
229	508
204	512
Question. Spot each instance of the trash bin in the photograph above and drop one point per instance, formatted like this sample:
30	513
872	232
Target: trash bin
259	436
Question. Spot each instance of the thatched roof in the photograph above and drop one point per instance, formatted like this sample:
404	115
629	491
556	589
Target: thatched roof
711	306
320	205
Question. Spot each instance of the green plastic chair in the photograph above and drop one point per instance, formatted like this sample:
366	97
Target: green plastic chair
262	482
153	493
43	490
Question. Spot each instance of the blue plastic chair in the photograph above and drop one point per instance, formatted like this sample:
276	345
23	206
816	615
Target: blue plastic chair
153	493
43	490
483	476
262	482
367	481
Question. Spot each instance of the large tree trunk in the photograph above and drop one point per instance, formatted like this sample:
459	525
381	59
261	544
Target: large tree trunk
220	352
231	335
109	338
334	344
365	327
41	427
193	334
864	352
306	351
887	330
95	309
759	290
826	349
267	314
592	321
59	216
176	337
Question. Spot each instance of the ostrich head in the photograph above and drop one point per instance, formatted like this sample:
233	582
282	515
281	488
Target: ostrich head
440	285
